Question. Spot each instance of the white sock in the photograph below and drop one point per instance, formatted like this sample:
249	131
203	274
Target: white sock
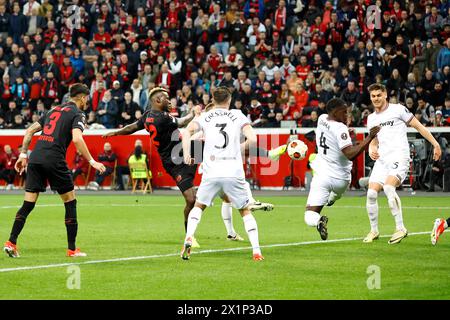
395	205
312	218
252	231
372	209
227	216
193	220
249	193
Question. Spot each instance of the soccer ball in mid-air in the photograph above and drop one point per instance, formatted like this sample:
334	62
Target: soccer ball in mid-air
297	150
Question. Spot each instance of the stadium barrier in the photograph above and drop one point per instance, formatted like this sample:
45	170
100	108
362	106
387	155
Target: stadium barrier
260	172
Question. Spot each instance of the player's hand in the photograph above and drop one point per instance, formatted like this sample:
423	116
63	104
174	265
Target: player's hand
373	154
20	165
437	152
374	131
109	134
99	167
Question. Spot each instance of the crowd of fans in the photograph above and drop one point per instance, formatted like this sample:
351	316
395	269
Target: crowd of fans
283	59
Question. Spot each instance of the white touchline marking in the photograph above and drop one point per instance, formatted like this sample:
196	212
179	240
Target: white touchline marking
136	205
59	265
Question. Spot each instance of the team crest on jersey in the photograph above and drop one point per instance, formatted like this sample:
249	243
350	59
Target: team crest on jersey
212	158
344	136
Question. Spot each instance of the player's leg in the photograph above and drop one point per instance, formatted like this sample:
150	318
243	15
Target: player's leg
28	205
376	181
36	182
438	228
317	199
205	195
227	217
71	222
235	189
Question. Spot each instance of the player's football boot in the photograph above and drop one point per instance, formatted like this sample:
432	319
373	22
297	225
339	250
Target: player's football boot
76	253
257	205
236	237
398	236
195	243
371	236
257	257
322	227
186	251
438	229
275	154
11	250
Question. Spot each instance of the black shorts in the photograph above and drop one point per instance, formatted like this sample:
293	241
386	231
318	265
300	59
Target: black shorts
56	174
182	174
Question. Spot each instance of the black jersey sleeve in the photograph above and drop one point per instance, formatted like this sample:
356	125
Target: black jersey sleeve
141	121
79	121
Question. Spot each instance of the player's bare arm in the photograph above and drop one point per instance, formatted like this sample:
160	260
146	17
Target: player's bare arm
21	163
77	138
186	141
424	132
373	149
129	129
250	135
195	111
351	152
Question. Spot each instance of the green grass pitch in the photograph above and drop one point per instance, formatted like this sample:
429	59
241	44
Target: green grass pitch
151	232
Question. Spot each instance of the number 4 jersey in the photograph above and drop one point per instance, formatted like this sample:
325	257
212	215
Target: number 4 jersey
331	138
222	157
57	125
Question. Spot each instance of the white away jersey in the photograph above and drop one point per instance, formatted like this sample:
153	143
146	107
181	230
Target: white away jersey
331	138
392	138
222	156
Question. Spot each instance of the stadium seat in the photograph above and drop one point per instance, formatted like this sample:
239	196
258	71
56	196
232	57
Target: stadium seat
140	173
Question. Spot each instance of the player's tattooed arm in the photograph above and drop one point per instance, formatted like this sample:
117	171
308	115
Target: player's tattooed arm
437	152
34	128
21	163
129	129
351	152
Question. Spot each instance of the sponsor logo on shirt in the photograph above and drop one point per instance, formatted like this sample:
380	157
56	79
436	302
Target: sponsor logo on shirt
387	123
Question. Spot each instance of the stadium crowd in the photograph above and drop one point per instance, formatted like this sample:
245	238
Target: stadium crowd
283	59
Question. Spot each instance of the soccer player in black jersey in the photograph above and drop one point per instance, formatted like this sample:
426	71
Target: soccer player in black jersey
47	163
164	133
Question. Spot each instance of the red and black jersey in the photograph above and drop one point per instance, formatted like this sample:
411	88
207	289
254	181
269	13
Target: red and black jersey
164	133
57	125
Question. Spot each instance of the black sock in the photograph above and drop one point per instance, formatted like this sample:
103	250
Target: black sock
71	223
21	217
185	226
448	222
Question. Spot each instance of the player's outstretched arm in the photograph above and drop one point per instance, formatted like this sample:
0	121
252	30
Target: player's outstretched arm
21	163
351	152
186	141
437	152
250	135
373	149
77	138
129	129
195	111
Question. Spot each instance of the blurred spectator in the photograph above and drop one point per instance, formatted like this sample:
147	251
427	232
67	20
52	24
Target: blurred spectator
108	111
108	159
80	166
7	161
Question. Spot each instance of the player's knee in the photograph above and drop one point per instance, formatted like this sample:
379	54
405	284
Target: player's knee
25	210
391	194
372	196
312	218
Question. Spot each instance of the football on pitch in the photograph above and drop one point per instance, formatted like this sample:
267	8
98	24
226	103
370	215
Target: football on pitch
297	150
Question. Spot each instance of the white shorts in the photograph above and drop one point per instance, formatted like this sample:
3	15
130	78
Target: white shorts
321	188
384	168
234	188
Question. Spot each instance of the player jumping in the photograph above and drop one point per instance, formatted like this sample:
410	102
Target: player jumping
390	150
47	163
222	165
333	163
